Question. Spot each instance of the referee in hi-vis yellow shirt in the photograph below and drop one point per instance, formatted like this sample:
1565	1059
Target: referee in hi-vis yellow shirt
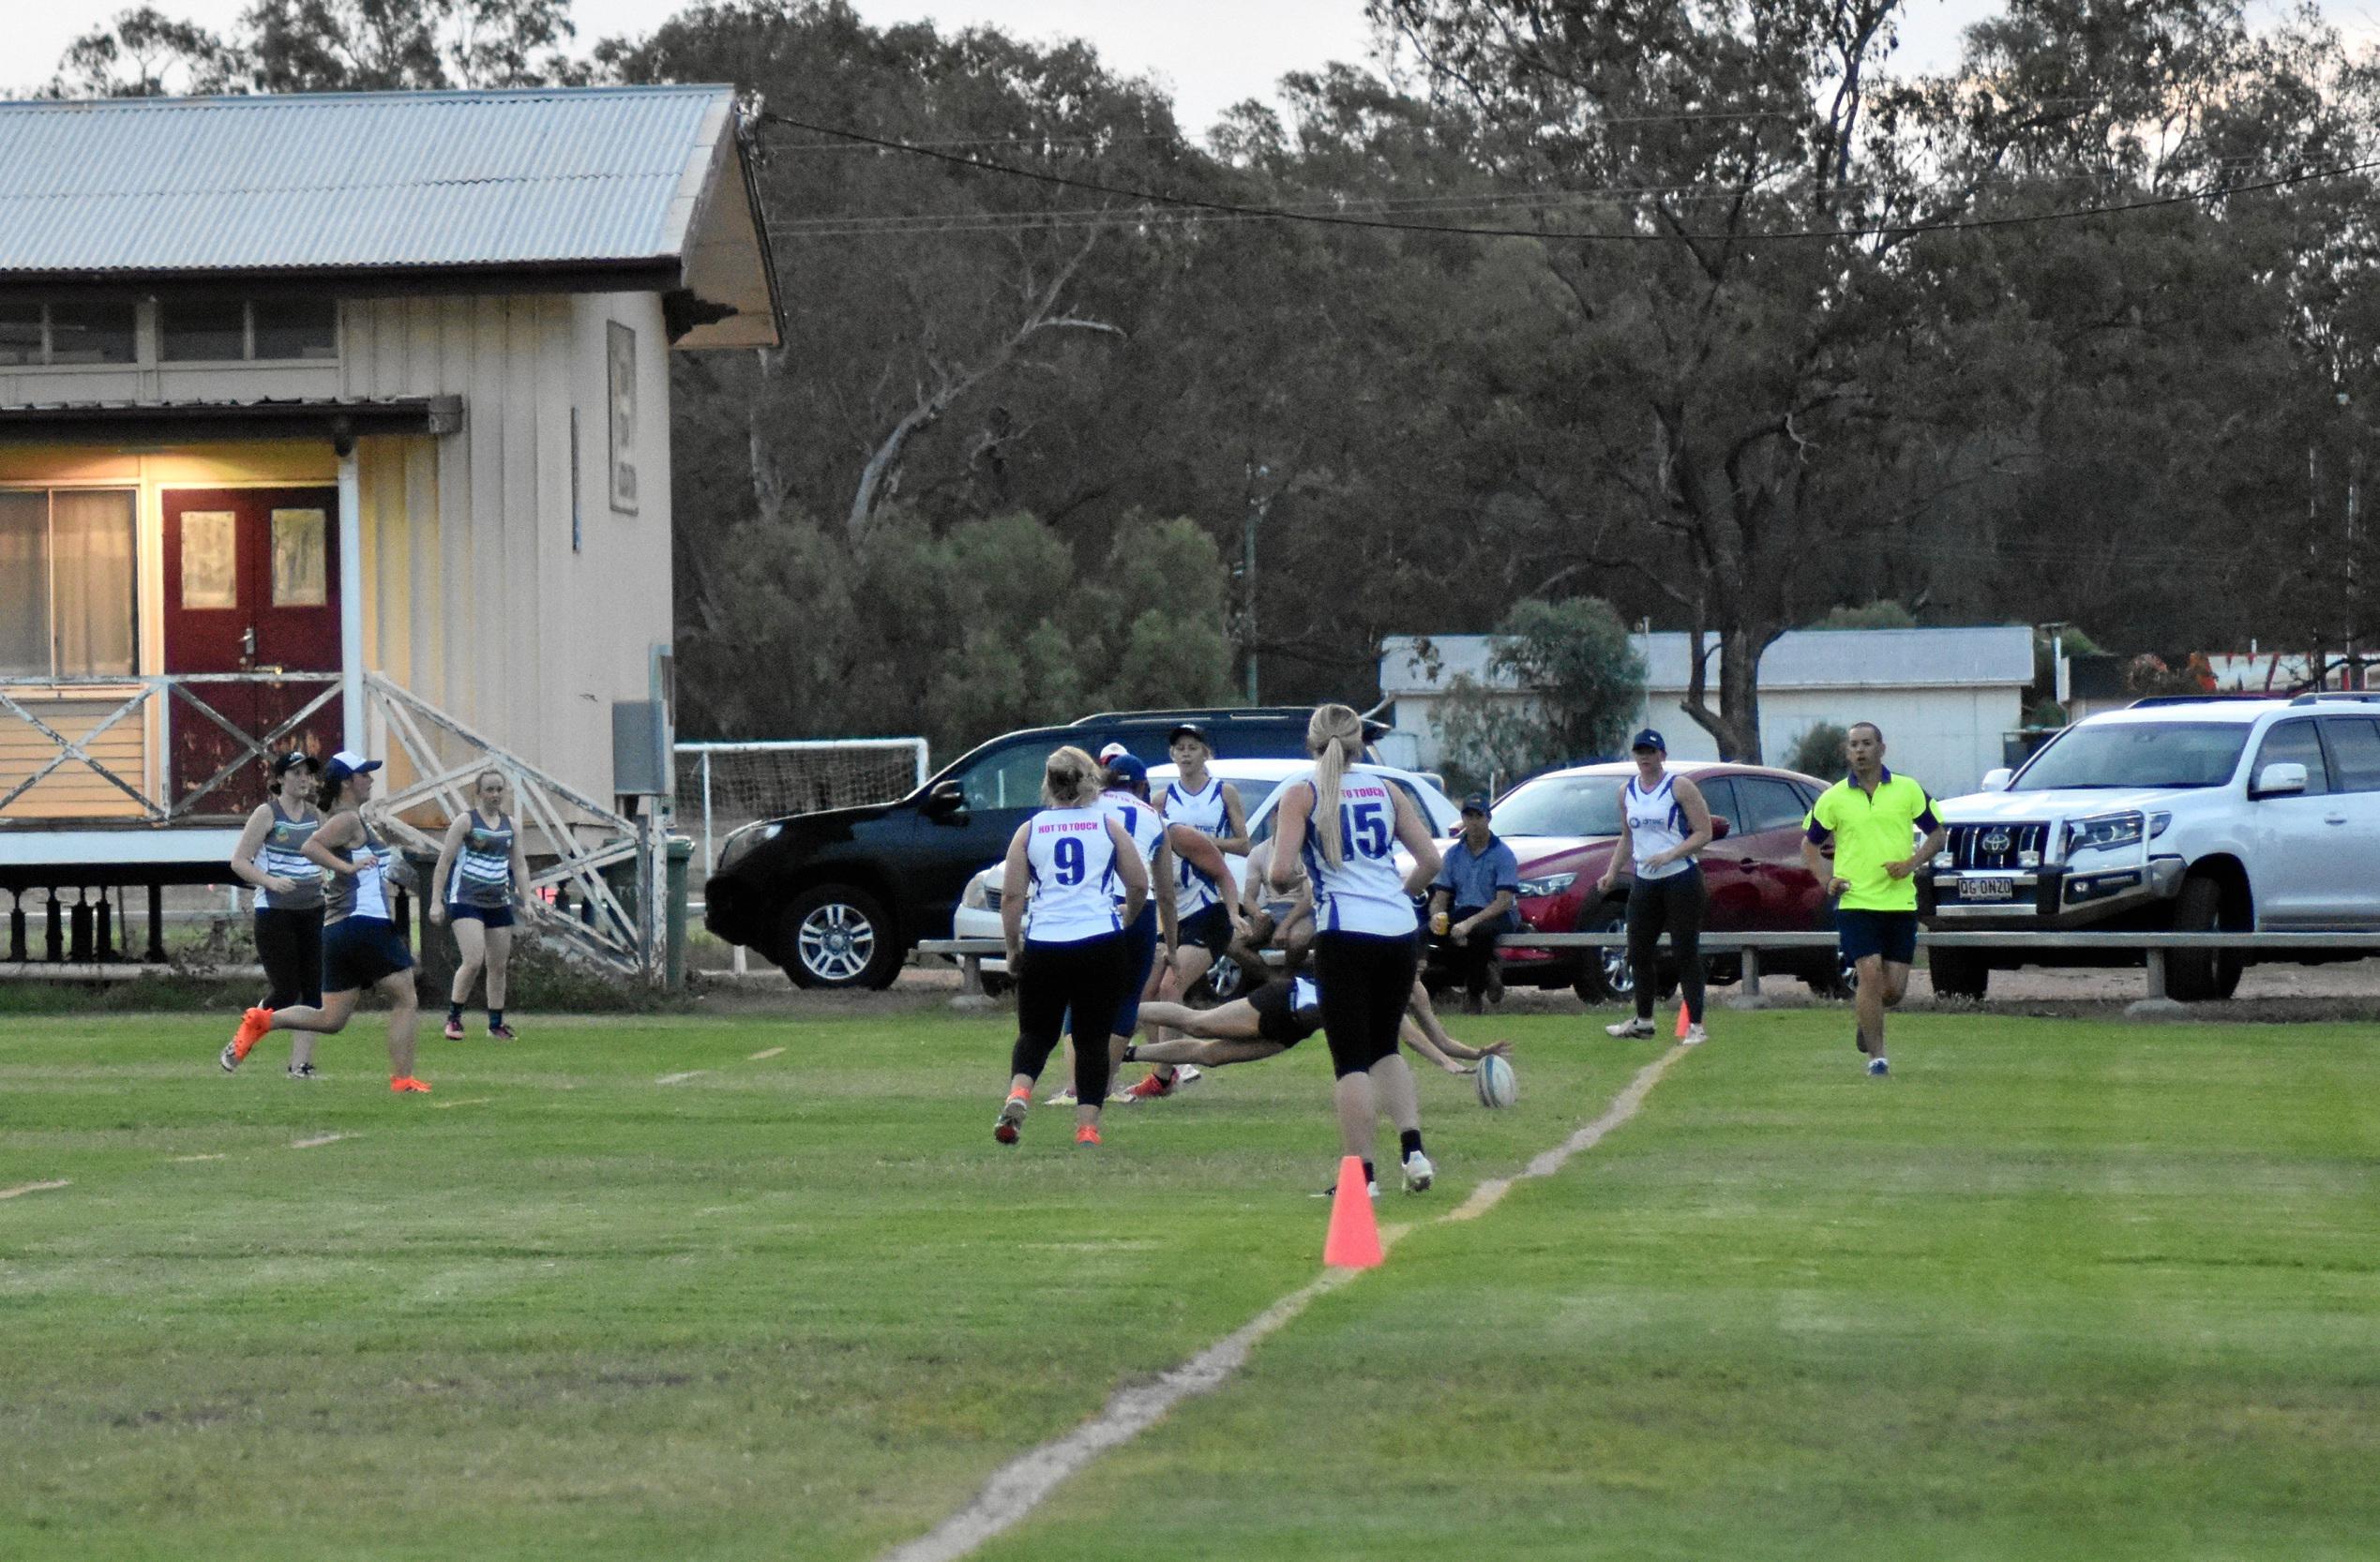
1873	819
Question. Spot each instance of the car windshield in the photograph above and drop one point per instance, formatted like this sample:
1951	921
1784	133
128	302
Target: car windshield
2138	754
1561	805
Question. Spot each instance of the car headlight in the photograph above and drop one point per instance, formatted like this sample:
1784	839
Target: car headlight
2101	832
1553	883
743	840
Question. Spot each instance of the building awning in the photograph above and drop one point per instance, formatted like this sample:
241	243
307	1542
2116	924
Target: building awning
337	419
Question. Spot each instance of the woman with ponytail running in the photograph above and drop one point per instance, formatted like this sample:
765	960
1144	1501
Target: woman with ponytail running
1067	945
1343	823
361	946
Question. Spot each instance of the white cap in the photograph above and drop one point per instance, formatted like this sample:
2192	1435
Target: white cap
347	762
1112	751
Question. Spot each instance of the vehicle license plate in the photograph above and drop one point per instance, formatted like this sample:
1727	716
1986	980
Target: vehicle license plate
1987	889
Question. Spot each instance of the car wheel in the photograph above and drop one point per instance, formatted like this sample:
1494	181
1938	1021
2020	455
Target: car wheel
1225	980
1842	981
2204	975
836	936
1958	972
997	983
1606	977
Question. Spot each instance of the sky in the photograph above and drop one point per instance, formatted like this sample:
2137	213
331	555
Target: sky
1211	54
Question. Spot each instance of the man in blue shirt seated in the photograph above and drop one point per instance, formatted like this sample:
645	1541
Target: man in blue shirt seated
1471	901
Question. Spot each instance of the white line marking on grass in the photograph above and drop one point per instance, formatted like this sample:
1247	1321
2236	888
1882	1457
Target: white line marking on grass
681	1078
468	1100
766	1053
1020	1486
23	1188
319	1140
184	1159
1623	1107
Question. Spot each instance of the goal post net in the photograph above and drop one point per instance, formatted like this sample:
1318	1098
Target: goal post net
724	785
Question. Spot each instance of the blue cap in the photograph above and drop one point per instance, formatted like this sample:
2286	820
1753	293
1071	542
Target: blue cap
347	762
1475	804
1128	770
1648	739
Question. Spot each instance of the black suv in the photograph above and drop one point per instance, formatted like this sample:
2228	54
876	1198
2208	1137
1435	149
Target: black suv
840	898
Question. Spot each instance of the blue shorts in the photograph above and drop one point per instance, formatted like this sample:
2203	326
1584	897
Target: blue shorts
1140	953
1207	929
487	916
357	952
1891	933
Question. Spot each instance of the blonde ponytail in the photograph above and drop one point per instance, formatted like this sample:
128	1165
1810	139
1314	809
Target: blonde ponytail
1070	780
1335	739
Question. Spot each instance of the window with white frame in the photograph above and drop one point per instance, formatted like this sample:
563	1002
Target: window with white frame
67	560
40	335
251	330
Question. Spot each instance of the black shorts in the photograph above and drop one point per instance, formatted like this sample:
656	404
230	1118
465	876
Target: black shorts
1367	982
1276	1020
358	951
490	917
1891	933
1209	929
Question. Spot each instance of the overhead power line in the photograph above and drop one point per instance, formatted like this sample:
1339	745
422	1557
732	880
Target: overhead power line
1348	219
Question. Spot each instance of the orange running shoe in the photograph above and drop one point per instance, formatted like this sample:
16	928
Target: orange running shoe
405	1084
1087	1133
1155	1088
253	1025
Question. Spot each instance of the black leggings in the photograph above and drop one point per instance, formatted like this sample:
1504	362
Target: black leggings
290	946
1090	977
1675	903
1366	980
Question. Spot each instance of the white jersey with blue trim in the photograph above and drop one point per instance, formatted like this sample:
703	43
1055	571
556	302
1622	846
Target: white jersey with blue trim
1073	875
1202	811
1365	892
1147	829
1655	825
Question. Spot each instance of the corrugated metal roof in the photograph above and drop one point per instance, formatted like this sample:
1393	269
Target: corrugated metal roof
340	181
1994	655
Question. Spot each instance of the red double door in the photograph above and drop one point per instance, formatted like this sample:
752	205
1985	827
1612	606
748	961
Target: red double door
252	587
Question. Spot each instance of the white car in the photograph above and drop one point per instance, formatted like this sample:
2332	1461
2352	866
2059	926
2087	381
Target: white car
2174	815
978	914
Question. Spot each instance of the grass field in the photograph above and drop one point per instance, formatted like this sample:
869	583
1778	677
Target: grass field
2059	1289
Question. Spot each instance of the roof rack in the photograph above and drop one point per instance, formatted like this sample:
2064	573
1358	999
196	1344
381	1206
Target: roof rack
2352	696
2225	697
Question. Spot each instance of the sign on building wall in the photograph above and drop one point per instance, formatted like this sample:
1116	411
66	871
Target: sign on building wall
622	356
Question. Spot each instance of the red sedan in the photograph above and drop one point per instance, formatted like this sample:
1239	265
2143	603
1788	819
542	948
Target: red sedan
1564	825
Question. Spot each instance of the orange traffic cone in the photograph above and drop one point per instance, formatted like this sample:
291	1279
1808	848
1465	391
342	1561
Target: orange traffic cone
1681	1022
1354	1242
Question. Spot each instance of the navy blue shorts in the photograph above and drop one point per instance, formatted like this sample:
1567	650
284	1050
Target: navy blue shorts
357	952
1209	929
1141	951
487	916
1891	933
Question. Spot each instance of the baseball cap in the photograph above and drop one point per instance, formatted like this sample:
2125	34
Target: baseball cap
1475	804
291	759
347	762
1108	754
1648	739
1190	729
1127	769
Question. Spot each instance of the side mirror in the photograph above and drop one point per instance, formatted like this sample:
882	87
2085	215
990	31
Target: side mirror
1718	828
1998	780
2280	779
945	800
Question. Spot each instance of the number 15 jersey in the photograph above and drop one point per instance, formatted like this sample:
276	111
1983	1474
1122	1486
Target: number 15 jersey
1073	876
1365	892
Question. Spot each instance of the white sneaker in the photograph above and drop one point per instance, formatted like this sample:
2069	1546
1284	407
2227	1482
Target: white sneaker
1063	1097
1630	1027
1418	1173
1692	1036
1185	1074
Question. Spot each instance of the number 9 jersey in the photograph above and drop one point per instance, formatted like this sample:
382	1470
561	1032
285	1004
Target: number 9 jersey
1365	892
1074	886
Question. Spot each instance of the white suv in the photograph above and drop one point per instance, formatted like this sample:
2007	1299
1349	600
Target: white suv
2180	815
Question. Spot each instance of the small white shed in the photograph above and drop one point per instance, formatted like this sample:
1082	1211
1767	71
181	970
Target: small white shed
1944	697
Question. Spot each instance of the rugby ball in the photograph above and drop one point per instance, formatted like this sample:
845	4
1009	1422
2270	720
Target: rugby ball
1498	1087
